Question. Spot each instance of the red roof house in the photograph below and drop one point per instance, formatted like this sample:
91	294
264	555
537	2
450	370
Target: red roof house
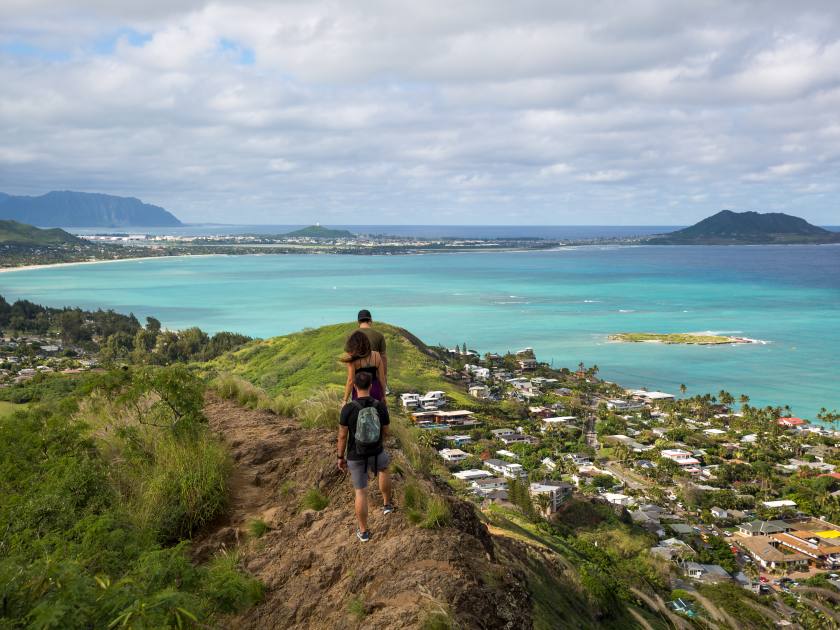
792	422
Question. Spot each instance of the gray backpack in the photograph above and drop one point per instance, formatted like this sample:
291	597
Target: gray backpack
368	437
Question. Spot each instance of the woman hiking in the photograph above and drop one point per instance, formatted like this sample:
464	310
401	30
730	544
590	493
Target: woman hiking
360	358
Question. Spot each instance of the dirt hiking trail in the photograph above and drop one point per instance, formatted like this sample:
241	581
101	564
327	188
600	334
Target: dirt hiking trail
316	573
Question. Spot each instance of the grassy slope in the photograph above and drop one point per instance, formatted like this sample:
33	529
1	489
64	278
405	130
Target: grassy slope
303	363
15	233
8	408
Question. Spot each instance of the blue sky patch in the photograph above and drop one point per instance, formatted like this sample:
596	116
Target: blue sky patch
241	54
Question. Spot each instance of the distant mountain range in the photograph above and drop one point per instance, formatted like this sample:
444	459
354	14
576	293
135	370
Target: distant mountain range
318	231
14	233
77	209
732	228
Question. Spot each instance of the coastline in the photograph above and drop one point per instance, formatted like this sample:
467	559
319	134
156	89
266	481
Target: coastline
131	258
98	262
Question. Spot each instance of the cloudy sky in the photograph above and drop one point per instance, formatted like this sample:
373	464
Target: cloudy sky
650	112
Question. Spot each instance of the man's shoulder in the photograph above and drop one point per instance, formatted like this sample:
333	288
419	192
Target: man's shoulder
348	409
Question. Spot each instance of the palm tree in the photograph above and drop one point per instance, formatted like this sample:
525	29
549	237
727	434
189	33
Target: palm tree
543	502
683	389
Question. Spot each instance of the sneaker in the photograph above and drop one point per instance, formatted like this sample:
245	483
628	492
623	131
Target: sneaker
388	508
363	536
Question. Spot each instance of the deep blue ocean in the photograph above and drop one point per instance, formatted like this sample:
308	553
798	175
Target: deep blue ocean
563	303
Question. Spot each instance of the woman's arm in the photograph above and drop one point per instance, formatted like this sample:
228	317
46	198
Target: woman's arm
380	373
348	386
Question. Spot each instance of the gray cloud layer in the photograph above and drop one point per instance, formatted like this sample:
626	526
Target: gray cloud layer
646	112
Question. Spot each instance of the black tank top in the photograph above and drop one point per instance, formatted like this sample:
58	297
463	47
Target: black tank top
373	370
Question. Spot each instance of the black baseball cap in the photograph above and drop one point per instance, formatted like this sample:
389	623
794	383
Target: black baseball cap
364	315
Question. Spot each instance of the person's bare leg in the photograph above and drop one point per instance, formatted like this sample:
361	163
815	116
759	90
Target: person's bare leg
385	486
362	509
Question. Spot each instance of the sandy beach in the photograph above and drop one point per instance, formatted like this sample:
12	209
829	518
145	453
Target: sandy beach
98	262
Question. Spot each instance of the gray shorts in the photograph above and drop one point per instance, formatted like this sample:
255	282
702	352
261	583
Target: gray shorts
357	468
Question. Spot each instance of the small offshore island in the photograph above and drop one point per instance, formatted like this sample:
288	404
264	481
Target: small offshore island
697	339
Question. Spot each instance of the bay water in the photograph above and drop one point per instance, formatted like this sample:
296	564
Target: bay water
564	303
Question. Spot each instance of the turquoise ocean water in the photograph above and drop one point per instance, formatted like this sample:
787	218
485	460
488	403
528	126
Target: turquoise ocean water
562	303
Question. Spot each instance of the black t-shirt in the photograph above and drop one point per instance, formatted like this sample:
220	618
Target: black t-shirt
350	412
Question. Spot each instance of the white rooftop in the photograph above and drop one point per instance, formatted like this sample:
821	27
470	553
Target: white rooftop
467	475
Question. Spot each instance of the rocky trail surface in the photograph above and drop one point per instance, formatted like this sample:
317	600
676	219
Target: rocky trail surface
316	574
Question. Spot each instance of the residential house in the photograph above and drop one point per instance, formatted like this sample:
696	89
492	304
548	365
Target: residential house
769	557
549	464
679	456
791	423
794	465
681	529
527	364
556	491
461	417
780	504
719	513
577	459
630	443
586	472
671	548
497	433
506	469
518	438
490	484
505	453
458	440
550	424
821	548
539	412
410	401
617	404
706	572
479	391
477	372
472	474
618	499
651	397
762	528
453	455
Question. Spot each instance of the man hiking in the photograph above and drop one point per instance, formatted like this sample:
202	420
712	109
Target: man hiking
363	428
376	338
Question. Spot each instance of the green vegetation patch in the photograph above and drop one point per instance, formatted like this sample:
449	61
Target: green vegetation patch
425	510
14	233
675	338
314	499
7	408
299	365
319	231
87	540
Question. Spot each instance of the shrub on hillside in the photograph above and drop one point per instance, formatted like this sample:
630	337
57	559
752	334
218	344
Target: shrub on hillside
320	410
314	499
424	510
72	556
244	393
172	488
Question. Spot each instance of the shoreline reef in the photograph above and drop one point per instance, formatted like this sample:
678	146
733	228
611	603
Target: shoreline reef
707	338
